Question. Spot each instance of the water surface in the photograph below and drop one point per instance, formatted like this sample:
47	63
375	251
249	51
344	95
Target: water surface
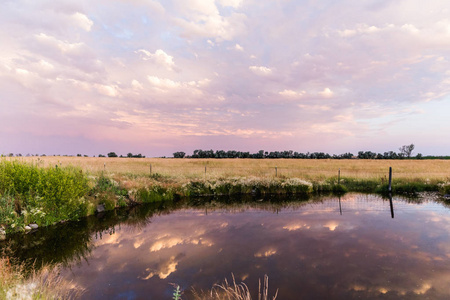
326	248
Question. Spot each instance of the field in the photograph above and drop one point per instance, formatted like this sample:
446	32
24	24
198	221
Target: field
223	168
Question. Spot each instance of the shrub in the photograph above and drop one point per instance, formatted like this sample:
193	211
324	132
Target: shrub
44	195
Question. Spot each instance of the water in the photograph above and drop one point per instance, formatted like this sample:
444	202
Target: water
325	248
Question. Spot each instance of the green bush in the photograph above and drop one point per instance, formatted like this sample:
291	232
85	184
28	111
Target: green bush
153	194
8	216
44	195
339	189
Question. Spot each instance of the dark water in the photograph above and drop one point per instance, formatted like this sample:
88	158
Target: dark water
323	248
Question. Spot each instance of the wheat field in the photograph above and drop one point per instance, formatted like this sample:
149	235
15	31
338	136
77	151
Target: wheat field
214	168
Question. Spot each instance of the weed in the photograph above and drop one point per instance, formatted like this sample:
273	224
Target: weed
234	291
43	284
177	292
42	195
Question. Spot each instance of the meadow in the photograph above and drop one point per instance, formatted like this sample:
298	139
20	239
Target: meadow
306	169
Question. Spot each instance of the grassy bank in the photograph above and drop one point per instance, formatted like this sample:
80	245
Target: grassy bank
16	283
45	190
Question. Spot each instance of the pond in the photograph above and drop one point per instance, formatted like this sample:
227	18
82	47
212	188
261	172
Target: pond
356	246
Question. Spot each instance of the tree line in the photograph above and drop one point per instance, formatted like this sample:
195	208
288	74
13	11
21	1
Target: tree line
404	152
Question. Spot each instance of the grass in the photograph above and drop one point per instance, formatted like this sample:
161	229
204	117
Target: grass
32	194
46	283
234	291
307	169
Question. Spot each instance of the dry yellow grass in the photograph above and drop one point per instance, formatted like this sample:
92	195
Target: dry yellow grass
45	283
305	169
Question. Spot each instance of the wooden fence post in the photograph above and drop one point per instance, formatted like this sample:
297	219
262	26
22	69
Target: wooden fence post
390	179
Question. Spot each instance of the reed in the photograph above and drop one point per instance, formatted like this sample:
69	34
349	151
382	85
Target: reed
235	291
45	283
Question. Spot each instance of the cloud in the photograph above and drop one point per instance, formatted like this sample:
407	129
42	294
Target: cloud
202	19
292	94
159	57
232	3
199	62
326	93
82	21
260	70
238	47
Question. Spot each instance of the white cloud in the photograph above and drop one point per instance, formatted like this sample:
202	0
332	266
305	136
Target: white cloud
238	47
136	85
82	21
232	3
260	70
202	19
292	94
159	57
326	93
62	46
163	82
107	90
411	28
363	29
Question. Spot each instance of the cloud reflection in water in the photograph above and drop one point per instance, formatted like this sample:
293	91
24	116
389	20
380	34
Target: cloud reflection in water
307	249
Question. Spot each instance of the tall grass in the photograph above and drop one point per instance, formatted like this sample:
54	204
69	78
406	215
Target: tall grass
312	170
46	283
234	291
41	195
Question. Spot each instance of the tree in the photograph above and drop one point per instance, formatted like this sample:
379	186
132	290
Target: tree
112	154
406	150
179	154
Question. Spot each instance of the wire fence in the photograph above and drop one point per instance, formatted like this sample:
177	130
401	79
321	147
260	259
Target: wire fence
258	168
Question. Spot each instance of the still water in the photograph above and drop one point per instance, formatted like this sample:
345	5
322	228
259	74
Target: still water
358	246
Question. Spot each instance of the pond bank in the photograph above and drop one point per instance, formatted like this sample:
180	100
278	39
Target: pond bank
31	194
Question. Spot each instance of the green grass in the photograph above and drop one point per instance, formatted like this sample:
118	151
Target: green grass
41	195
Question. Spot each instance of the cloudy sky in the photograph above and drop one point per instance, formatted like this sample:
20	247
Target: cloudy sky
155	77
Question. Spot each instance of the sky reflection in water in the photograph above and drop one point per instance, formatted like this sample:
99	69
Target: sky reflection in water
308	250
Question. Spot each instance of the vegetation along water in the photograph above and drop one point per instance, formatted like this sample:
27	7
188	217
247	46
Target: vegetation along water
44	191
37	192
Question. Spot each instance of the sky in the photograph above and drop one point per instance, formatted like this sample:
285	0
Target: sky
156	77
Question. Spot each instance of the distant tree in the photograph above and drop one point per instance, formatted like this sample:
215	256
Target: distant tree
101	155
130	154
406	150
112	154
179	154
79	155
419	156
